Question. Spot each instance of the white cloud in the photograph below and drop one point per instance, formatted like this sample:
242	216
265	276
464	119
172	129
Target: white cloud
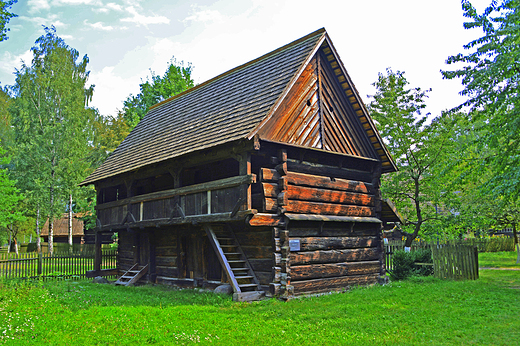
98	26
52	19
139	19
206	16
114	6
37	5
10	62
109	87
77	2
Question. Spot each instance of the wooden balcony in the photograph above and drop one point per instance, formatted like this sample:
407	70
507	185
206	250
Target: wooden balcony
220	200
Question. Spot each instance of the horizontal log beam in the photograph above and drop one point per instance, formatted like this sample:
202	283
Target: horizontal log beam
331	218
330	171
102	272
303	207
315	271
328	196
317	181
330	243
186	190
191	219
261	219
334	256
330	284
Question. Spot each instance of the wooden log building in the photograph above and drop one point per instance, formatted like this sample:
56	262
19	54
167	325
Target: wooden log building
266	177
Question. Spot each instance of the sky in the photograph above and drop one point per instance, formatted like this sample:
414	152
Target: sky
127	39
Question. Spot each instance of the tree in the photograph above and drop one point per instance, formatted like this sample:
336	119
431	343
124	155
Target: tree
50	118
10	198
491	78
176	79
5	16
415	145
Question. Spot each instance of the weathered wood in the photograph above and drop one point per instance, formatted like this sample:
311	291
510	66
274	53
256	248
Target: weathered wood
330	284
222	258
314	271
270	190
167	271
103	272
257	251
212	185
317	181
331	256
268	175
333	218
261	219
329	243
261	265
328	171
328	196
168	261
304	207
282	198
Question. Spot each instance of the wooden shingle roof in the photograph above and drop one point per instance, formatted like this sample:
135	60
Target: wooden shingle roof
229	107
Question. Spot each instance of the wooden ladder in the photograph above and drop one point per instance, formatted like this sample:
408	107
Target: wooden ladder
242	278
132	275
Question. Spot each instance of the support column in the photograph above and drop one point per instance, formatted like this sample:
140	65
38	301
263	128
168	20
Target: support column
97	257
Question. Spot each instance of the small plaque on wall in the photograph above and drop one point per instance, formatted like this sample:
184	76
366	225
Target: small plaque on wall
294	244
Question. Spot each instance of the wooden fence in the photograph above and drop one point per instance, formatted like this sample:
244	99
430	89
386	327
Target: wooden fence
450	261
60	264
455	261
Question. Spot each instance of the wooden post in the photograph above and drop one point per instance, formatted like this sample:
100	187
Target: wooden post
245	169
97	256
40	263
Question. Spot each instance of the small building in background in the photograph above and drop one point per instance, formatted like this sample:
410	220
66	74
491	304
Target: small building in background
61	230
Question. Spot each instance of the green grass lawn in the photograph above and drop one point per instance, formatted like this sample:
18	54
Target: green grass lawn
506	259
420	311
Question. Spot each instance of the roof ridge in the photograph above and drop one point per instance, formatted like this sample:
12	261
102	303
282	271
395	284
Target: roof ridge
209	81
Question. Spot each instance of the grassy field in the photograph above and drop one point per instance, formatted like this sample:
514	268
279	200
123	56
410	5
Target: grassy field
415	312
506	259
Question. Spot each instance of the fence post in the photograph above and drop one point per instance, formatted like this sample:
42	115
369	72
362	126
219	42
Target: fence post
97	256
40	263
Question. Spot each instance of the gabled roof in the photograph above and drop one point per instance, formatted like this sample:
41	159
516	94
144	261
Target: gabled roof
61	227
232	106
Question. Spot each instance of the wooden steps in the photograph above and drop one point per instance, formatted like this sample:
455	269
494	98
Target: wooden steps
242	278
131	276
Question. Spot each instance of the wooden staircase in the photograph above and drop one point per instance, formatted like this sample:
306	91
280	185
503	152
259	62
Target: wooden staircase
132	275
242	278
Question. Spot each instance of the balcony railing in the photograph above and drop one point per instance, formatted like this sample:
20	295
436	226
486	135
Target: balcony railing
212	201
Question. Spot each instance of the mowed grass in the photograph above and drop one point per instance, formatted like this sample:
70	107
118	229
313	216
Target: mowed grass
506	259
415	312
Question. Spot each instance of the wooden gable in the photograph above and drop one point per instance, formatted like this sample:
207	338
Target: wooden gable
323	110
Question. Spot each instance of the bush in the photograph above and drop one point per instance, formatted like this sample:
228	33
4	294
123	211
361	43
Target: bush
405	264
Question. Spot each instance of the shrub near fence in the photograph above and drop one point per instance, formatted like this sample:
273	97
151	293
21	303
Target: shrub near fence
75	263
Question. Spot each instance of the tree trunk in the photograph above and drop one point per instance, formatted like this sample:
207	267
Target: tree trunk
70	220
51	236
38	239
517	245
411	236
10	240
16	246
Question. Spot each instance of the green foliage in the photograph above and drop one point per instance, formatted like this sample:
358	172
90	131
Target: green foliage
5	16
51	124
490	74
405	264
10	196
176	79
82	313
416	146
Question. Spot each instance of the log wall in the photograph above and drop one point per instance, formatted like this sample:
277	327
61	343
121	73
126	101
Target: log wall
334	256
